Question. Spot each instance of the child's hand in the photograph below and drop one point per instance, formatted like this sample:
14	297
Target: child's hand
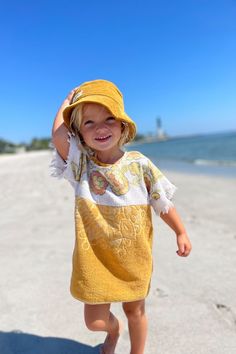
184	245
65	103
173	220
71	94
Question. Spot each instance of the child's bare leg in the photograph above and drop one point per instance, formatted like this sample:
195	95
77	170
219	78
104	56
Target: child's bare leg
99	318
137	321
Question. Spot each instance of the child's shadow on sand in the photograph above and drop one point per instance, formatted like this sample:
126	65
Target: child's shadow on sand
24	343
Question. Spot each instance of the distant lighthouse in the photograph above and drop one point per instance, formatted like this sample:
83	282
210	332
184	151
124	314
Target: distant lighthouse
160	133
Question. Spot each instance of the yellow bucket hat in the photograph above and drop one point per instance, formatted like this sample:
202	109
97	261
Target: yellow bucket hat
105	93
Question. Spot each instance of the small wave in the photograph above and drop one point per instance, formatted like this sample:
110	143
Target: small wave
202	162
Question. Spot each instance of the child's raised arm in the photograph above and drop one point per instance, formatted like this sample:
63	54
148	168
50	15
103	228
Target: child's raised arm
173	220
59	129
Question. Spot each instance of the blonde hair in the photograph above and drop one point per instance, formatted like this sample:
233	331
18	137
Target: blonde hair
75	123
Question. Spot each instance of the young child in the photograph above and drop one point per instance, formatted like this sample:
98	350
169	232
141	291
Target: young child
114	192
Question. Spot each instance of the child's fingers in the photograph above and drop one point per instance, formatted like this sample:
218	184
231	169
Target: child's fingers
71	93
179	253
183	250
187	250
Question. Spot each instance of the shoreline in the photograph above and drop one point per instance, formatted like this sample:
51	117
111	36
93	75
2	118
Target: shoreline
179	166
228	172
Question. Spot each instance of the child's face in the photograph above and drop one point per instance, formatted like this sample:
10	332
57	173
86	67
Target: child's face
99	129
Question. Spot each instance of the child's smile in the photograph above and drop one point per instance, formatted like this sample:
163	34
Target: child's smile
103	138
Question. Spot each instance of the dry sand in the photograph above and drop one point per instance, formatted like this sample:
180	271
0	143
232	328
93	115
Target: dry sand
192	302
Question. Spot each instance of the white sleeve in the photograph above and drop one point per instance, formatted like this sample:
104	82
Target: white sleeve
66	169
161	190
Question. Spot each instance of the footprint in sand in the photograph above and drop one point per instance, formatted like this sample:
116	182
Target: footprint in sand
160	292
227	313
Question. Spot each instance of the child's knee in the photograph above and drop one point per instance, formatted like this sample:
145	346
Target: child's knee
94	325
96	317
134	312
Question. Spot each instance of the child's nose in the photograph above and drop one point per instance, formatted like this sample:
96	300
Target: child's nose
100	125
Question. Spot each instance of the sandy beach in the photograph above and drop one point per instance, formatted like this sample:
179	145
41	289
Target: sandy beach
192	302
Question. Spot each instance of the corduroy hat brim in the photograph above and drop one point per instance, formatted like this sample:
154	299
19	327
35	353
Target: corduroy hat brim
106	101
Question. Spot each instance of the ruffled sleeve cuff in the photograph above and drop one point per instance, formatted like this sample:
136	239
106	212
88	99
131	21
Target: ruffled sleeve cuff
161	195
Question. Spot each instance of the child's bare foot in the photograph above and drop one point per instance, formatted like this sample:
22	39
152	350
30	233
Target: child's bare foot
111	340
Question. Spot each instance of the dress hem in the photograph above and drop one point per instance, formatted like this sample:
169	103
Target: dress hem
107	302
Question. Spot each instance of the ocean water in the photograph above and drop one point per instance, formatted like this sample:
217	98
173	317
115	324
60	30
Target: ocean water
211	154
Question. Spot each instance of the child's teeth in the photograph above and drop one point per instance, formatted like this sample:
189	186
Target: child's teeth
103	137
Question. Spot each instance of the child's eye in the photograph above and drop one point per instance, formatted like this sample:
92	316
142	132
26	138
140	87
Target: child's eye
110	119
88	122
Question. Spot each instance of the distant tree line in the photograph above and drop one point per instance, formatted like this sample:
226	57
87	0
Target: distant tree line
38	144
7	147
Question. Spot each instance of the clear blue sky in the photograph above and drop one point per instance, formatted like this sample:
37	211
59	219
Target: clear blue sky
174	59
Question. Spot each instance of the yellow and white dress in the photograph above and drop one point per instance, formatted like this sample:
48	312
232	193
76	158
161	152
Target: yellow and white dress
112	258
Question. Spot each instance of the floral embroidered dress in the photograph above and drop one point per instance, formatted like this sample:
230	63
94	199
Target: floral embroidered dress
112	258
